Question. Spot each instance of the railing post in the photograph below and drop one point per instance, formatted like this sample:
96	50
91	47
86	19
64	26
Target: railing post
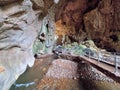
89	55
98	57
116	64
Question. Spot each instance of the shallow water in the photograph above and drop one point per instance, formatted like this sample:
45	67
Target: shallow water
34	79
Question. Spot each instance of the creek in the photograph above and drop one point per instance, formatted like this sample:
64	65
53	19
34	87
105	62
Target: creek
32	79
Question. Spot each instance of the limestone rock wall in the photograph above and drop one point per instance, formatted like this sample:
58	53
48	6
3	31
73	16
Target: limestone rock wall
20	22
103	25
92	19
46	38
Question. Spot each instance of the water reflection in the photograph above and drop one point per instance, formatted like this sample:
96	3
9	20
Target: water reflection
24	85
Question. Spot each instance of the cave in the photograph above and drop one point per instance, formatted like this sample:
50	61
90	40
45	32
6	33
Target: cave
31	30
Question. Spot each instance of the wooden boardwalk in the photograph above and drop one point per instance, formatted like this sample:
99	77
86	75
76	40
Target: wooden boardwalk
111	68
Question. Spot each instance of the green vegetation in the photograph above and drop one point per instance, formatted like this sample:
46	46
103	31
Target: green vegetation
87	47
45	39
75	48
37	47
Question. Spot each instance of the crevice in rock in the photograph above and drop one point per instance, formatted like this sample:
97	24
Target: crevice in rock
92	4
8	2
97	41
109	49
72	39
114	38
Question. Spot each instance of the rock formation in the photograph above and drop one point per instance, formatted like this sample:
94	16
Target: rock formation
20	22
46	37
91	19
27	27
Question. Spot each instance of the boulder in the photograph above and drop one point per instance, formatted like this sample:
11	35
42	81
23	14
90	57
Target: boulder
61	68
